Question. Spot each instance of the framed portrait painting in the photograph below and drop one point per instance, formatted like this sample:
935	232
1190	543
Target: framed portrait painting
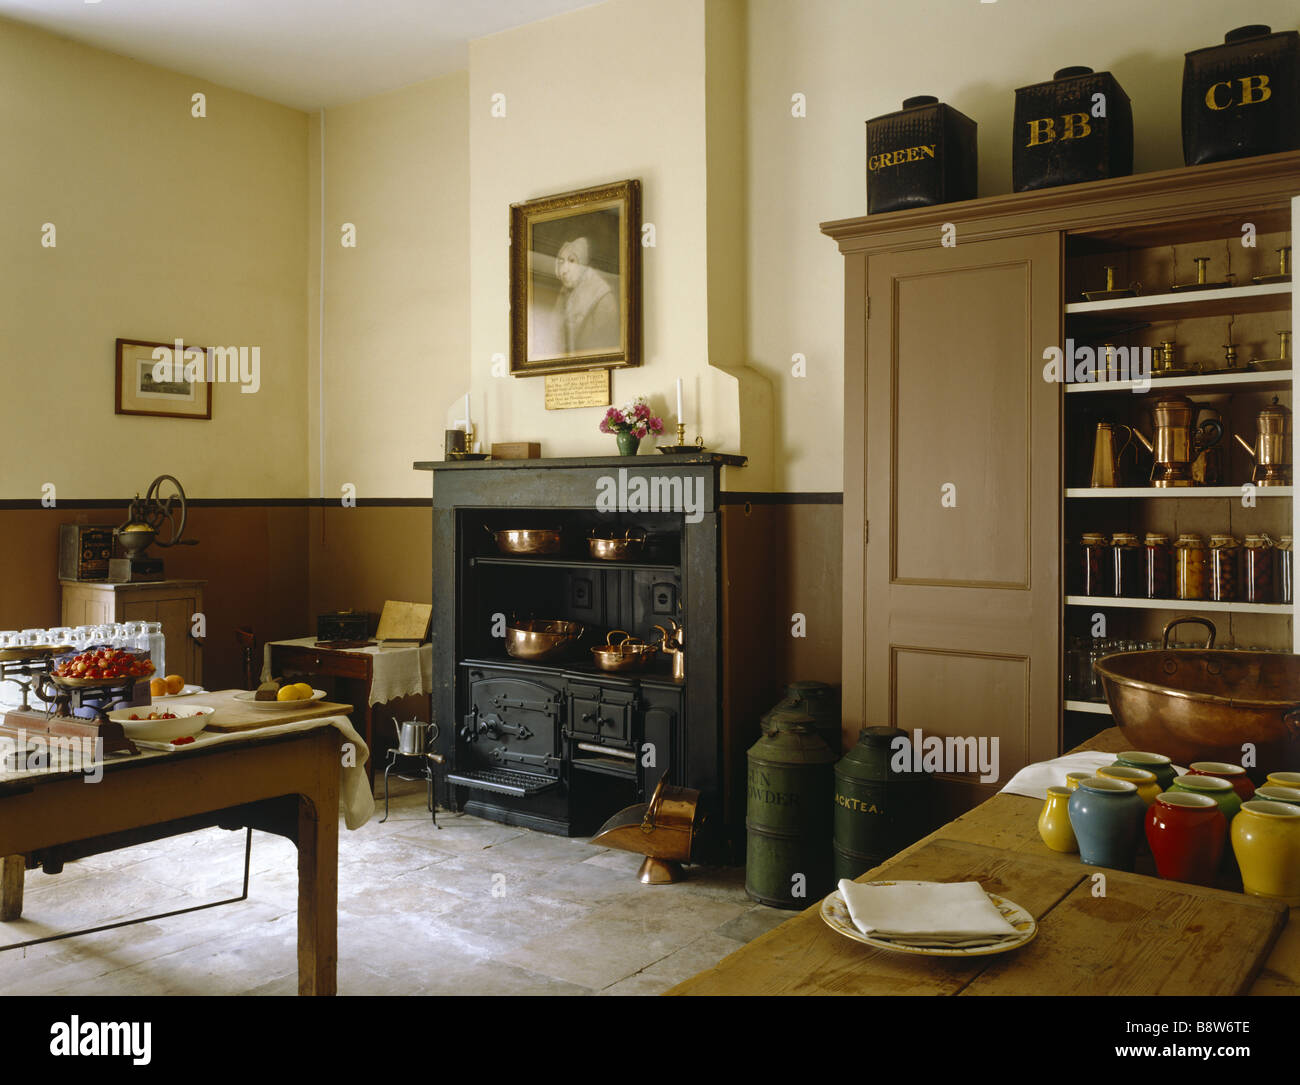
575	281
181	388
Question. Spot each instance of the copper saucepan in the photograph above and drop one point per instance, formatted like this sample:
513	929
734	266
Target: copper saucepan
527	540
617	548
536	639
628	654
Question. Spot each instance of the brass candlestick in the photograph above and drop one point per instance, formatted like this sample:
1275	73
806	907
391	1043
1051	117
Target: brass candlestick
1284	268
681	434
469	436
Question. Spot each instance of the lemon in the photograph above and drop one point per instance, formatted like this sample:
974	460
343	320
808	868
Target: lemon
304	691
287	693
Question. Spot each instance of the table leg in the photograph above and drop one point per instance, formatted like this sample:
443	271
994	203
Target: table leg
318	898
12	875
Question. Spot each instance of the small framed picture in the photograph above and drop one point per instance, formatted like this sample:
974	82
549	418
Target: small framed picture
169	380
575	281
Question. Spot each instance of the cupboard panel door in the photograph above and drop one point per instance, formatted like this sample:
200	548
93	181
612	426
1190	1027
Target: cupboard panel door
962	478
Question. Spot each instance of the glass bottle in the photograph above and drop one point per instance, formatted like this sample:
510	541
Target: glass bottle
1284	570
1158	566
1189	567
1224	554
1257	571
157	647
1128	562
1098	565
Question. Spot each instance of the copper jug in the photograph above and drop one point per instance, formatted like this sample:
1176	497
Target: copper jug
1272	447
1178	438
1106	469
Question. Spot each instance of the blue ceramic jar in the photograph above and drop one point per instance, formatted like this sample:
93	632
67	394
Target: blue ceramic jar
1106	816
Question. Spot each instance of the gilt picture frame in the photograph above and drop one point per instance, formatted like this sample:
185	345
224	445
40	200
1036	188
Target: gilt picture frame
186	391
575	281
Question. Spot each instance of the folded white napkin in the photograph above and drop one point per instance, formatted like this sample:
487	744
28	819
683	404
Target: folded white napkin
1034	780
940	913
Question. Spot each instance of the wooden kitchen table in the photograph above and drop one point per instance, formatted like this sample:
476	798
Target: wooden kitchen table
286	784
1146	933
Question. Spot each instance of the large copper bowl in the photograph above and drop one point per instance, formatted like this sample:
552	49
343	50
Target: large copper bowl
1202	704
537	639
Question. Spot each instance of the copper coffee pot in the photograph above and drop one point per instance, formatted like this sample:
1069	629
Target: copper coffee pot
1272	447
1178	440
1106	467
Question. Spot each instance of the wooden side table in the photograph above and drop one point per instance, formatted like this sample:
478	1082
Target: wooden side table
173	603
353	670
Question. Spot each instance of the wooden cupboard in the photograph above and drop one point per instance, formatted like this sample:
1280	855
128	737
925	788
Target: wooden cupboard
171	602
960	455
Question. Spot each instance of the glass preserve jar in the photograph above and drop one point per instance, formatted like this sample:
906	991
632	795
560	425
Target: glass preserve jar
1225	552
1284	570
1158	566
1098	565
1190	561
1257	569
1127	557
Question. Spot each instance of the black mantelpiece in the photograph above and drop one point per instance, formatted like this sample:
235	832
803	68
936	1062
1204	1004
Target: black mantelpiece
499	716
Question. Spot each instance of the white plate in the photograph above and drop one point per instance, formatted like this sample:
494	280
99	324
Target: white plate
835	913
187	690
249	698
190	720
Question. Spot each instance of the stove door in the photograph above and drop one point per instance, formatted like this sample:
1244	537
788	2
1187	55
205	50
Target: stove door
508	740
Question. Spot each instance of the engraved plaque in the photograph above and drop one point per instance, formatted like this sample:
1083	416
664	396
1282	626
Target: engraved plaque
588	388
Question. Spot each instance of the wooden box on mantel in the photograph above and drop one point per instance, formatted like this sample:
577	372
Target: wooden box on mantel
517	450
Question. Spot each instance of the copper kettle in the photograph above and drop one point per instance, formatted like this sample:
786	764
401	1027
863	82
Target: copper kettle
1272	448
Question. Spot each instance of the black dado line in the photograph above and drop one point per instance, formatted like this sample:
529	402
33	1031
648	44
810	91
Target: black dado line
725	497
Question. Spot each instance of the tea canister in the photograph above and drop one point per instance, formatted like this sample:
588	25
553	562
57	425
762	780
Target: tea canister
1098	565
1190	561
1106	816
1242	98
1127	556
1266	841
1186	833
1234	774
815	699
788	815
878	812
923	154
1054	821
1224	554
1144	781
1077	126
1156	763
1220	790
1257	569
1157	566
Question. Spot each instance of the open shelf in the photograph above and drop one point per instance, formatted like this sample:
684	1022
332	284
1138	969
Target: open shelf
576	563
1173	491
578	663
1097	708
1191	605
1275	381
1224	301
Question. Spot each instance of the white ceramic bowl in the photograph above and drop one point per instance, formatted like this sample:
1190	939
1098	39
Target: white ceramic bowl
189	721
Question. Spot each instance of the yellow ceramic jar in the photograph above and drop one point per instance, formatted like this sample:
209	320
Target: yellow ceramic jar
1145	782
1054	821
1072	778
1283	779
1266	842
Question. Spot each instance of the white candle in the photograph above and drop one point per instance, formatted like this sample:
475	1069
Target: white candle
467	414
680	420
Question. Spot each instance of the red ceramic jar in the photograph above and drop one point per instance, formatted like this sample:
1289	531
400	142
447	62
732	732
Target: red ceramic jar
1234	774
1186	833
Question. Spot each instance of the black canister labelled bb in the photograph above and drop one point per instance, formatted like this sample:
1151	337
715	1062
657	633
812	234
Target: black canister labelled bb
1078	126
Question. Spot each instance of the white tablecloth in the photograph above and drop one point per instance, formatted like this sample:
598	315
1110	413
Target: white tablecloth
399	671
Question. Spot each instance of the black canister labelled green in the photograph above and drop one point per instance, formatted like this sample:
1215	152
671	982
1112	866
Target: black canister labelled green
788	815
878	812
815	699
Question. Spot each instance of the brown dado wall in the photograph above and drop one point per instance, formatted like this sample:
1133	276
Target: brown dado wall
274	567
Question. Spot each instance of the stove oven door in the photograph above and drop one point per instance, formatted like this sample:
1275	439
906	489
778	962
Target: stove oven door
508	740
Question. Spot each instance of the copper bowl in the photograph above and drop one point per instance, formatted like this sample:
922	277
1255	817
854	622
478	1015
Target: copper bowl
1202	704
527	540
537	639
628	654
617	549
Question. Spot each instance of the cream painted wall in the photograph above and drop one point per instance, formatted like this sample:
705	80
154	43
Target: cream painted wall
855	60
603	94
167	225
396	313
